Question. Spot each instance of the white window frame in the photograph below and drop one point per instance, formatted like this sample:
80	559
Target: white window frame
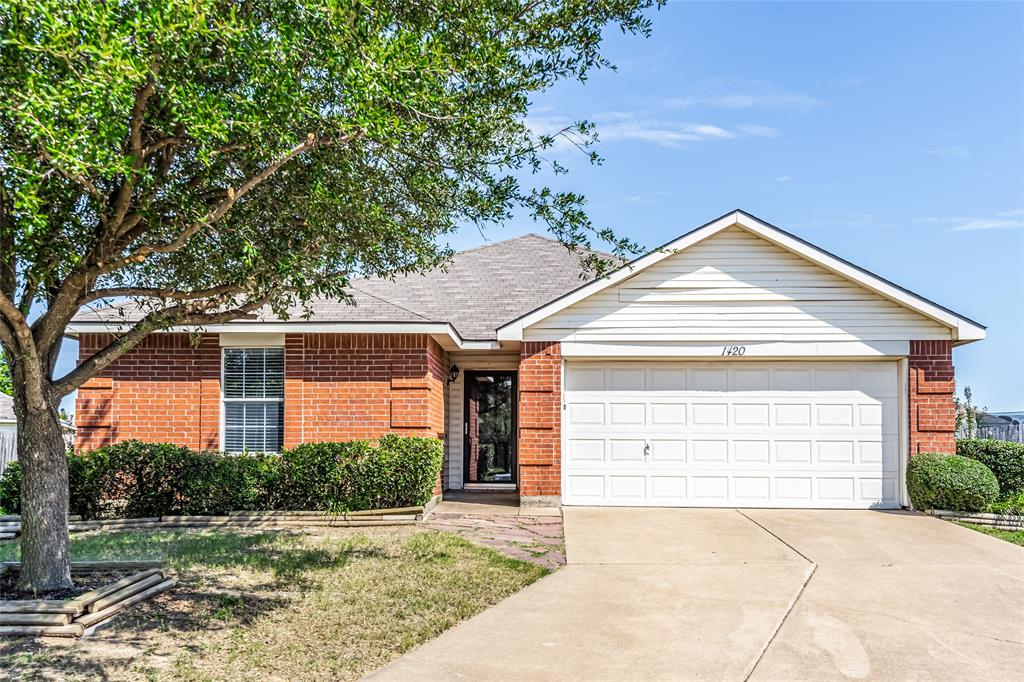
224	399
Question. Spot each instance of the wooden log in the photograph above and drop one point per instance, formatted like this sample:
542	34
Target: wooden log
96	617
70	630
84	600
128	522
38	606
34	619
366	512
126	592
197	519
102	566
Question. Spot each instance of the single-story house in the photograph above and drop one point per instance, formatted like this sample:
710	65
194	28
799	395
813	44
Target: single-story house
737	365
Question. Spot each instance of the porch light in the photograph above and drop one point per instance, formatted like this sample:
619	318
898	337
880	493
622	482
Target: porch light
453	374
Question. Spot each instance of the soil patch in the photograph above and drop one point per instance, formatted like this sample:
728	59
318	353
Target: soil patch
83	583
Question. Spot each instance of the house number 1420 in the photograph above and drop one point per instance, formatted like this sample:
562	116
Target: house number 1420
734	350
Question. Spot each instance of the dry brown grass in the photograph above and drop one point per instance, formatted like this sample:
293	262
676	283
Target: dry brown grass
276	606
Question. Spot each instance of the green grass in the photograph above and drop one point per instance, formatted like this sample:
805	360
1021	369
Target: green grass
1014	536
277	606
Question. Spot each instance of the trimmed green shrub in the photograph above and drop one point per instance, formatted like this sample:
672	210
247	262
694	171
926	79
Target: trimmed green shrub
939	481
1005	459
134	479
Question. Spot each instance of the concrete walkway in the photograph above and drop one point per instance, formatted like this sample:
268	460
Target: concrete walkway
670	594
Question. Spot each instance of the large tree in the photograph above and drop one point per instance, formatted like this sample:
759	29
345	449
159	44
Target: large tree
204	159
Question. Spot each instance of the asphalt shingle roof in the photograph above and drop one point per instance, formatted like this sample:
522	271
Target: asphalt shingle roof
479	290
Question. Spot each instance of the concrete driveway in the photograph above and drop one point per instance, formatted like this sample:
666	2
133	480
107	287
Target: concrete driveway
672	594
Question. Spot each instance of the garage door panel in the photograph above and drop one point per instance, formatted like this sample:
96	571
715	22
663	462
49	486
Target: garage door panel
833	414
710	414
585	449
816	434
710	451
709	380
751	451
627	488
627	379
623	450
584	414
668	414
750	414
626	414
667	379
754	380
665	450
751	488
667	490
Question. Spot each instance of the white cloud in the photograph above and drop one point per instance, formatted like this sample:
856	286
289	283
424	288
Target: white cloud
757	130
719	94
986	224
1005	220
959	151
619	126
783	178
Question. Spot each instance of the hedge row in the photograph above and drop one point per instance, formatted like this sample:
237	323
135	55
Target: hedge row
134	479
1005	459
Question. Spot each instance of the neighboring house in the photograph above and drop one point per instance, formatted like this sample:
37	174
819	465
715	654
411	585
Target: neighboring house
8	420
736	366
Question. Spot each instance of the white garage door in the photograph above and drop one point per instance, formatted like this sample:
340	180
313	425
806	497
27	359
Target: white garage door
781	434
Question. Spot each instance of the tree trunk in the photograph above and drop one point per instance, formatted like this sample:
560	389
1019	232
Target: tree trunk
46	564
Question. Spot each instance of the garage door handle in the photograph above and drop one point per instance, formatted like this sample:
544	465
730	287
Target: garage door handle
647	449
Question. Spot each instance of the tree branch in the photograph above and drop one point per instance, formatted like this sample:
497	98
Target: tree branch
217	212
156	320
157	292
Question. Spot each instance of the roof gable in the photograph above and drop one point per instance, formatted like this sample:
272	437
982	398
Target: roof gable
961	328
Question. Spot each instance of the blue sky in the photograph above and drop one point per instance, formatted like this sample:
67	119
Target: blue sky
891	134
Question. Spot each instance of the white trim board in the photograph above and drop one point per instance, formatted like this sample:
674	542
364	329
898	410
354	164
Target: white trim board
791	350
444	333
962	329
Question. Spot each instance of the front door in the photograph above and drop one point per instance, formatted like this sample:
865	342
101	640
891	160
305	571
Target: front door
490	427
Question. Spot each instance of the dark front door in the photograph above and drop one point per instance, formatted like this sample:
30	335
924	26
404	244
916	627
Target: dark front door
490	427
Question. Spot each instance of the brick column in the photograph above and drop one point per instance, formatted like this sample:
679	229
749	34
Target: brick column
540	423
931	389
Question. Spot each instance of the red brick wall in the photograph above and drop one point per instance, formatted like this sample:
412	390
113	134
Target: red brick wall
347	386
337	387
166	389
931	388
540	418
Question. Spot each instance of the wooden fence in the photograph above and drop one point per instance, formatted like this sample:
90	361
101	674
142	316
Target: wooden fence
8	449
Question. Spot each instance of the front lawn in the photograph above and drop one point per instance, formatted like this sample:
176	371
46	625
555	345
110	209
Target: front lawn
262	606
1014	536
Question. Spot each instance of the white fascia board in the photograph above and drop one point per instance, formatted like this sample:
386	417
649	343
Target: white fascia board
513	331
810	350
440	330
963	330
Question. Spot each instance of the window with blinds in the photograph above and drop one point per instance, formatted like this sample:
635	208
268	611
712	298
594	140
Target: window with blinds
253	399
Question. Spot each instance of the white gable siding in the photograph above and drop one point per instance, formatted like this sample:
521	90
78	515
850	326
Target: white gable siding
735	287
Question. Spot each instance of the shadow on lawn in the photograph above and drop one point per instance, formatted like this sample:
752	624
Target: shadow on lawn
223	582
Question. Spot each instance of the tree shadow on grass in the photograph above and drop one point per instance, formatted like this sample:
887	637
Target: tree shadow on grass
226	580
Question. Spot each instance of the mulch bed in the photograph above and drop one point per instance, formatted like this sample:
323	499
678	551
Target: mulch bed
83	583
